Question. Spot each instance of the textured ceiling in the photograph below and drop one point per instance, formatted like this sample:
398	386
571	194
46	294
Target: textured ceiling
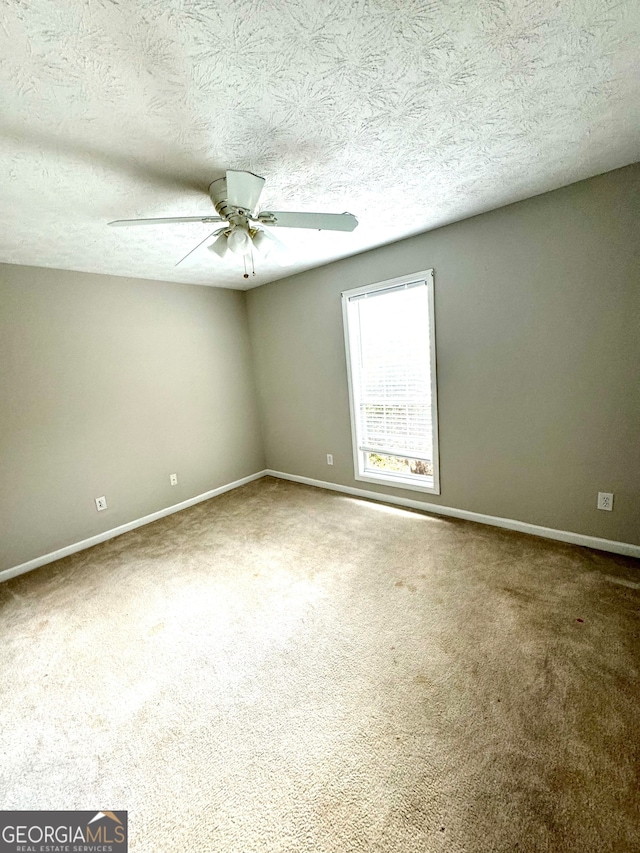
407	113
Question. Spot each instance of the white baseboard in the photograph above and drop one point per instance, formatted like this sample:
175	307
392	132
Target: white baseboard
510	524
612	545
123	528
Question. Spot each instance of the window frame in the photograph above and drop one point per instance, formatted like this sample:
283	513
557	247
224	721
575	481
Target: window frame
394	480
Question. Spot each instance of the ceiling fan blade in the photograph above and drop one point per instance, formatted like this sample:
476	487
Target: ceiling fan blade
319	221
191	251
244	189
166	220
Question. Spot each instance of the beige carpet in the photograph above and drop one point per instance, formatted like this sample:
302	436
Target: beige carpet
288	669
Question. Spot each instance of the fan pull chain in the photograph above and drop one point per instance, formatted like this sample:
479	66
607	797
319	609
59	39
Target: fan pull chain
253	266
246	274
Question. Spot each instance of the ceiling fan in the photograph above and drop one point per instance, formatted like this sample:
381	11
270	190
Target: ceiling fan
235	198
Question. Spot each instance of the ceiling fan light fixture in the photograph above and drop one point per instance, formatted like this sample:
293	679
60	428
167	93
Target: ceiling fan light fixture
239	241
263	243
220	247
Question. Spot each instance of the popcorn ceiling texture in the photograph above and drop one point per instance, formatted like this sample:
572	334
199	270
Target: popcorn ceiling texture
409	115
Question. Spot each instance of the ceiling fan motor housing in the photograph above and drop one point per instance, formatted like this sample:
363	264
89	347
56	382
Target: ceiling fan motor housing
218	194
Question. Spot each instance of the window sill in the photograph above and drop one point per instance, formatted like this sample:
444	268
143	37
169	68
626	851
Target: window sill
427	485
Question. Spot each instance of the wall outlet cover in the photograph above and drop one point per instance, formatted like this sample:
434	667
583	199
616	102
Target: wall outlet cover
101	503
173	479
605	501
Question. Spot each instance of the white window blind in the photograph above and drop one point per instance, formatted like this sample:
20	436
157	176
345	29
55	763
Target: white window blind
391	375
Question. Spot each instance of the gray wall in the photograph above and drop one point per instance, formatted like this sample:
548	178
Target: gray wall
108	385
538	350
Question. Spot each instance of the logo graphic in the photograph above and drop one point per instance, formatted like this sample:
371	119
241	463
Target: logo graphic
63	832
106	814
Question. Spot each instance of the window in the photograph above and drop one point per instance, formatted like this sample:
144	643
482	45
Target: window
390	343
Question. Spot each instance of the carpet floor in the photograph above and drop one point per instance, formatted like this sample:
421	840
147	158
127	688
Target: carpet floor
284	668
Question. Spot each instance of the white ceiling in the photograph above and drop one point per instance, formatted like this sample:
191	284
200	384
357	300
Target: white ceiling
408	113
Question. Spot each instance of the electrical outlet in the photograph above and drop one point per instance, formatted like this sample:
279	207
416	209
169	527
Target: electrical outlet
101	503
605	501
173	479
329	458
